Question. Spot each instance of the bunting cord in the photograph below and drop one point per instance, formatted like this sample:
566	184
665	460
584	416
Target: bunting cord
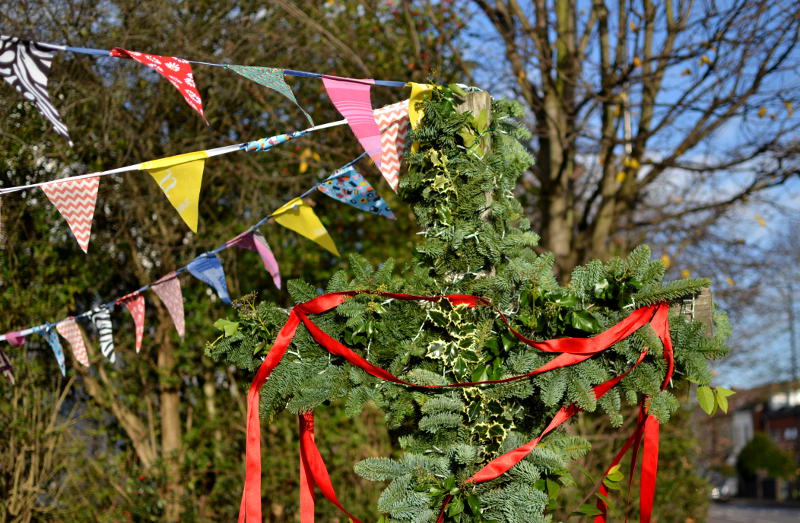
339	172
289	72
217	151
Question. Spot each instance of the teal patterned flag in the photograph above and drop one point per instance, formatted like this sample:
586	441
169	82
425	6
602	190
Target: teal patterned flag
269	77
50	335
349	186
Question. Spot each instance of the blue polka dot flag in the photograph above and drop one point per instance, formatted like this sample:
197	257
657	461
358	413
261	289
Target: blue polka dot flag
209	269
349	186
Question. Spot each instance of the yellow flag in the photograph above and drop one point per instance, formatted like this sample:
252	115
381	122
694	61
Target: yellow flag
180	177
418	92
300	218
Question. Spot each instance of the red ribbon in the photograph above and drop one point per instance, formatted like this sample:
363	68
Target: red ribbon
571	351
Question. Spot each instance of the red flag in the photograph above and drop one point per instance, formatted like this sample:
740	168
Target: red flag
75	200
177	70
135	304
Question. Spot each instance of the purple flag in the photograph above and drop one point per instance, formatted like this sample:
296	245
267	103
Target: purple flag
255	241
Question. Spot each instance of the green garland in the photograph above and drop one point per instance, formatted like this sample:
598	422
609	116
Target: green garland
475	241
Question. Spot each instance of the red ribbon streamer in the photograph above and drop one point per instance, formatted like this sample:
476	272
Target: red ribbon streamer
571	351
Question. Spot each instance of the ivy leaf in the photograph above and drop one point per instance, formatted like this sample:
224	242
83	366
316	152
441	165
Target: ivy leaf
481	121
588	510
228	327
467	136
584	321
552	488
474	504
722	394
705	397
455	507
615	475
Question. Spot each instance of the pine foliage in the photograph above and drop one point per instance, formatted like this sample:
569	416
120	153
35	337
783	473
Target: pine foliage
475	240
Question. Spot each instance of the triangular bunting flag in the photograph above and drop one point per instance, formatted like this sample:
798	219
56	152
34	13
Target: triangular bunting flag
135	304
177	70
393	122
255	241
418	93
25	65
71	332
15	339
300	218
101	317
352	99
75	200
208	268
348	186
5	367
168	289
49	334
271	78
180	177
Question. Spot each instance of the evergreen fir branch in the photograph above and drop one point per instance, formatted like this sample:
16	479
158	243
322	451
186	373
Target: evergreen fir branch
673	291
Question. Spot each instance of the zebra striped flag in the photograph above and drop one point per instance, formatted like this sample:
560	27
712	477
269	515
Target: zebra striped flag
25	65
101	317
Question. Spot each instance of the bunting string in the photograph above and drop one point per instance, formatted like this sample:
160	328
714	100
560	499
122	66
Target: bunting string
206	265
259	145
288	72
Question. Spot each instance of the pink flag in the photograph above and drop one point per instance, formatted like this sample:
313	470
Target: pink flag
15	339
72	333
135	304
168	289
255	241
393	122
177	70
352	99
75	200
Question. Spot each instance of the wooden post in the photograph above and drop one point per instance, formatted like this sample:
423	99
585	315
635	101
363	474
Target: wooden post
699	307
477	102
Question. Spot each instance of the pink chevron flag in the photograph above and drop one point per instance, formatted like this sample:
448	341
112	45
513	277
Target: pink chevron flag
135	304
71	332
168	289
75	200
352	99
392	120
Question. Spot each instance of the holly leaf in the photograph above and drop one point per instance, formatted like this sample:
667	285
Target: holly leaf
705	397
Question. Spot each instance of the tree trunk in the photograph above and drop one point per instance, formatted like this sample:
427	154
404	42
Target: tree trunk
169	395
